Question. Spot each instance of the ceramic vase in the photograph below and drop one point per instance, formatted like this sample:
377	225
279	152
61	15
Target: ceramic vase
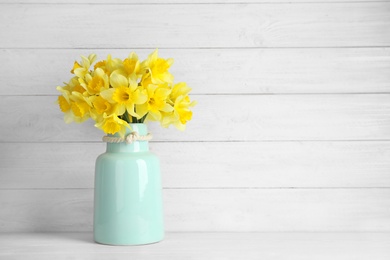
127	200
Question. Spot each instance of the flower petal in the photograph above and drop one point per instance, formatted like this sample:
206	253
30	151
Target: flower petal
121	110
142	109
85	62
117	80
107	95
130	110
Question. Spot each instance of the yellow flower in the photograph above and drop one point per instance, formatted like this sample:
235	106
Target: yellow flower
65	91
125	93
156	103
158	68
65	107
100	107
96	82
76	65
179	89
182	105
181	113
64	104
145	81
131	65
80	107
76	86
116	92
72	85
73	105
81	70
101	64
113	124
109	65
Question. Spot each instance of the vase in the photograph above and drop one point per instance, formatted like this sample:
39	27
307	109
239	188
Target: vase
127	201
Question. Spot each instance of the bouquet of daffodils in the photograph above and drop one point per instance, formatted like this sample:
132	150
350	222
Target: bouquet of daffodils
118	92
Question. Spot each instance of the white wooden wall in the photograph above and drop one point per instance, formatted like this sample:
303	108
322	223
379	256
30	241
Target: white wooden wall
291	131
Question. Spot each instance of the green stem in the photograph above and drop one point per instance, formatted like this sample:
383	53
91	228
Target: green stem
143	118
126	115
134	118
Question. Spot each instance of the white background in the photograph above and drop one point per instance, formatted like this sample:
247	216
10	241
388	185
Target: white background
291	131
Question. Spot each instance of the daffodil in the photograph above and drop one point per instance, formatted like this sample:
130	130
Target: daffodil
100	107
72	85
113	124
66	92
80	70
102	65
65	103
80	107
76	65
181	109
117	92
181	114
131	65
168	119
156	103
125	93
179	89
95	82
110	65
157	68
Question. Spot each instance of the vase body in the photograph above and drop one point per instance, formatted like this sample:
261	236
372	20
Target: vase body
127	202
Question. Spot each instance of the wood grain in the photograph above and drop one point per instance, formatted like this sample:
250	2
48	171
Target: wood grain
232	71
183	26
210	210
313	157
220	118
211	246
207	164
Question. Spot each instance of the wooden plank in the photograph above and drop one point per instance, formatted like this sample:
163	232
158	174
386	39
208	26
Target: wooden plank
220	118
207	164
188	26
293	246
342	70
209	210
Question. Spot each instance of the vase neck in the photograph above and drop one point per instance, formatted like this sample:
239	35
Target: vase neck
136	146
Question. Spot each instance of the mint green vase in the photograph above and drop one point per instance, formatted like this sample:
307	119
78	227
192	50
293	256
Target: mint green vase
128	204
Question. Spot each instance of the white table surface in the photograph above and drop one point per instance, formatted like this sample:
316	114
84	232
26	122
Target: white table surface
290	246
